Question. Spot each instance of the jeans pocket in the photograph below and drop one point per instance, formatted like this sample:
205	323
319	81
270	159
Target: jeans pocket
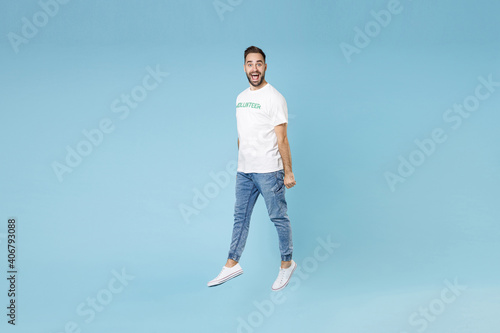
280	183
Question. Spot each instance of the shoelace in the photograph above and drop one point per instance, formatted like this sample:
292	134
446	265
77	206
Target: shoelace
223	269
282	273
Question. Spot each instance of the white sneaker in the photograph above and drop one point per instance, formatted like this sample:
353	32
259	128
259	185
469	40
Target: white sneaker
226	274
284	277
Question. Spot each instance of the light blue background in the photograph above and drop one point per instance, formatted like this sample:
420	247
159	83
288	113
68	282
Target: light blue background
349	123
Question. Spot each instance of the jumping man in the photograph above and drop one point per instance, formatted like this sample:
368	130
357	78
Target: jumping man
264	167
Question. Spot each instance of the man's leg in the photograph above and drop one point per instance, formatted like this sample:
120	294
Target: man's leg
272	187
246	196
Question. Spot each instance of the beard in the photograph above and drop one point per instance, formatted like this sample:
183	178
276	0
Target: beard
256	83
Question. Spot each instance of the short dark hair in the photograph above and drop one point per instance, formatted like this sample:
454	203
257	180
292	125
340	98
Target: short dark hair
254	49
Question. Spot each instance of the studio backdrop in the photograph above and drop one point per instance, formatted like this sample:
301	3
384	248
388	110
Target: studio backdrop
118	147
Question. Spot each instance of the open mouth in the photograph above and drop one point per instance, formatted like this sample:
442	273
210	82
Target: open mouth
255	77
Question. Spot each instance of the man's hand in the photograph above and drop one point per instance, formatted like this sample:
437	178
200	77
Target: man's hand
289	180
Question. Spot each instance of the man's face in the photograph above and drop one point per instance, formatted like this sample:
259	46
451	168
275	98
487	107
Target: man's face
255	68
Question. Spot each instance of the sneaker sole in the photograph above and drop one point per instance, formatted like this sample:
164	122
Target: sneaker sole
227	278
286	284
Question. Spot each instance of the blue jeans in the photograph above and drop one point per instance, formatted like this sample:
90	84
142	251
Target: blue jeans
272	188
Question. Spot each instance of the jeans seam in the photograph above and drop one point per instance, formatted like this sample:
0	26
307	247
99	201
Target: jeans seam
244	219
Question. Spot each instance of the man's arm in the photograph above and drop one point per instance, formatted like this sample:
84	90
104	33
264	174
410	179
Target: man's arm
286	156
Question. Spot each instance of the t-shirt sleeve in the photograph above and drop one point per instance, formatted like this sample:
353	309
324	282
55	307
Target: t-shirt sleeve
279	111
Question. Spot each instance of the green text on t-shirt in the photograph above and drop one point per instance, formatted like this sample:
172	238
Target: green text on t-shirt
248	105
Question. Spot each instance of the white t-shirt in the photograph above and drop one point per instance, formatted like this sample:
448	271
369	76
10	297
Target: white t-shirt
257	112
